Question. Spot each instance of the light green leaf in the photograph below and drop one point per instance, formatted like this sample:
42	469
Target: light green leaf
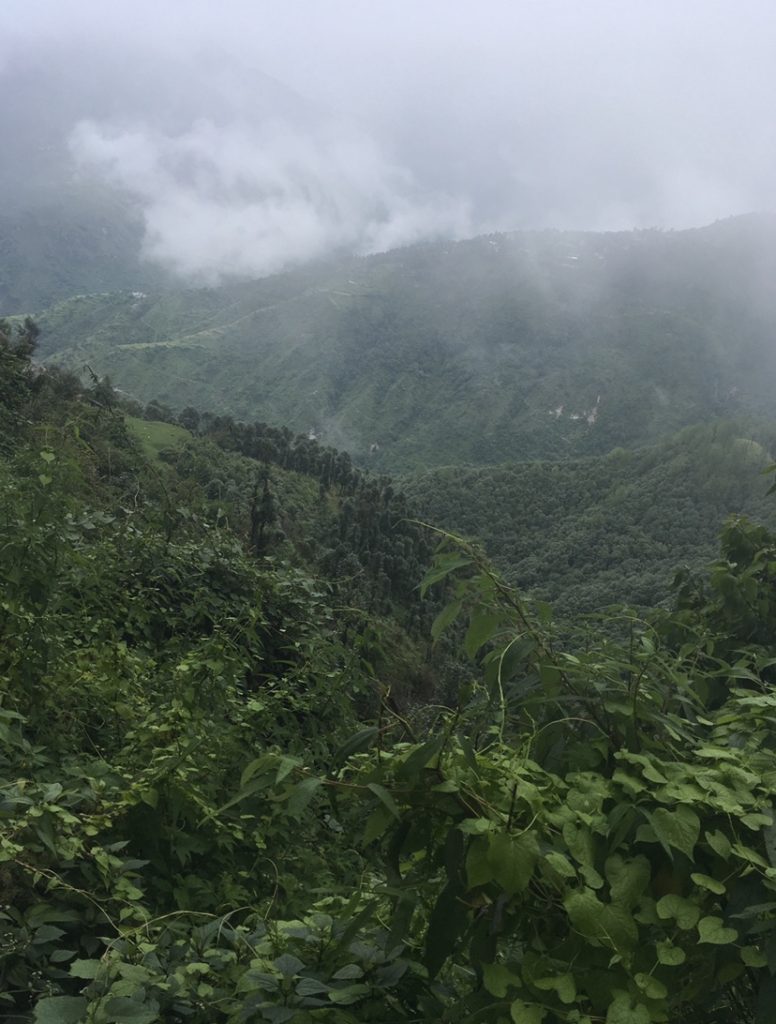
87	969
526	1013
713	931
561	864
684	912
475	826
706	882
347	996
755	820
512	859
563	984
498	979
623	1011
669	954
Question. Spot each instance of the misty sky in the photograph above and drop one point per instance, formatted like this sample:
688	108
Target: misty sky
254	134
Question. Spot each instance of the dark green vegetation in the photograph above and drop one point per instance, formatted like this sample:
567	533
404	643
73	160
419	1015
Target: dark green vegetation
507	348
584	533
212	809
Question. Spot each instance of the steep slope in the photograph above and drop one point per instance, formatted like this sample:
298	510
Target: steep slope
515	346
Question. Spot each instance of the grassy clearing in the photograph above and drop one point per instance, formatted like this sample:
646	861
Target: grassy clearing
154	436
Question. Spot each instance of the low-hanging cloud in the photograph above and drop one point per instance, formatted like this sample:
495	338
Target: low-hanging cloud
247	200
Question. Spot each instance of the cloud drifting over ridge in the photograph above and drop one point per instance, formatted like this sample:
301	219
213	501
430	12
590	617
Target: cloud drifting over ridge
239	199
260	134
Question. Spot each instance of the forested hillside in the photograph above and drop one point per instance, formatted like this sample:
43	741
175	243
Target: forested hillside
509	347
584	533
78	239
225	797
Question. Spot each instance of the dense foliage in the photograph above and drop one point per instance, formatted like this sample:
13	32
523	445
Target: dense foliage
586	533
211	810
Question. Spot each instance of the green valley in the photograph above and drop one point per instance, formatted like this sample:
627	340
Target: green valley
503	348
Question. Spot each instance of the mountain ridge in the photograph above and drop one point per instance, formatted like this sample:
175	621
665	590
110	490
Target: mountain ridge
527	345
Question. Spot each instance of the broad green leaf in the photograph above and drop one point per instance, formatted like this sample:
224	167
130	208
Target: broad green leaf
753	957
682	911
288	965
254	766
418	758
311	987
448	920
482	625
755	820
498	979
348	995
448	615
87	969
512	859
706	882
558	862
442	567
714	931
563	984
609	923
475	826
719	843
627	879
60	1010
669	954
526	1013
679	829
301	795
355	744
377	823
285	767
622	1010
349	973
650	986
123	1010
385	798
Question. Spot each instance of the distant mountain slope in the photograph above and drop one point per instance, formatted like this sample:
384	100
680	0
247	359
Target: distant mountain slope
590	532
520	346
77	240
